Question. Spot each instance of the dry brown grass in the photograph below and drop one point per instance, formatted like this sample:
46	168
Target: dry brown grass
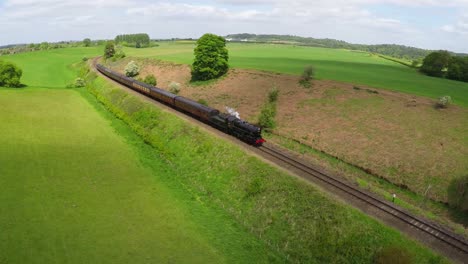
400	137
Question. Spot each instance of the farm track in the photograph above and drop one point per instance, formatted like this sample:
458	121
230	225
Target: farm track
449	244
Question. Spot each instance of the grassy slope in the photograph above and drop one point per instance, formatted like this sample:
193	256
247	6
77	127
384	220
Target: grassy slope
50	68
79	187
342	65
293	218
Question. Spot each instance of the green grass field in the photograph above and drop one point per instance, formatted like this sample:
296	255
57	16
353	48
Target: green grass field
294	218
342	65
73	191
51	68
78	186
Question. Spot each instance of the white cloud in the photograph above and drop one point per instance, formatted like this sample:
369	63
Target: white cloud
349	20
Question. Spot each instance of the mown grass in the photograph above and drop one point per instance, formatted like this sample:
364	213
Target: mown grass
333	64
75	191
293	218
78	186
51	68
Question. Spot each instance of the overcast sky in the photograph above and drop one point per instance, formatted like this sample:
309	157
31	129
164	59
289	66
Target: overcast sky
432	24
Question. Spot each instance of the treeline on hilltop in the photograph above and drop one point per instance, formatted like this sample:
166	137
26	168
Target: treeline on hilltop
135	40
397	51
20	48
445	65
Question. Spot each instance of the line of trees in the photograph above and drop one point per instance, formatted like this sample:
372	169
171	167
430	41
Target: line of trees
136	40
21	48
397	51
444	65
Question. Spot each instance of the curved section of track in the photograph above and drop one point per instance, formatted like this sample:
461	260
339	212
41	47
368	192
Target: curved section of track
456	247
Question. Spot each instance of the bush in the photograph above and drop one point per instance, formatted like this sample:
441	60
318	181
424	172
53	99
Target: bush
79	82
308	73
86	42
211	58
174	87
307	76
109	50
273	95
10	75
119	54
393	255
458	193
132	69
267	116
150	79
444	102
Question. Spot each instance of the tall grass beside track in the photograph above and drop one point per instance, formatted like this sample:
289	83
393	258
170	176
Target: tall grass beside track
297	221
359	68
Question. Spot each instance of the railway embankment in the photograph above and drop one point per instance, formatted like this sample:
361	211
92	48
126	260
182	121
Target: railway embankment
295	219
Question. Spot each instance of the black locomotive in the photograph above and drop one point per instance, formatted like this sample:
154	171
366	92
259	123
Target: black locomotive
227	123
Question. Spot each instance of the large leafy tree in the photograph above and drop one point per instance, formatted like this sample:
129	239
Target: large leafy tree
10	75
435	63
458	69
211	58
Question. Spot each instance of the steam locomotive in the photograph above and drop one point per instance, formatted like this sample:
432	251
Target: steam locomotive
227	123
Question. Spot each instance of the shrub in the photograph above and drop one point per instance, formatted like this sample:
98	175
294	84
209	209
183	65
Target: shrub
307	76
10	74
267	116
458	193
273	95
444	102
150	79
132	69
79	82
393	255
87	42
109	50
211	58
308	73
174	87
119	54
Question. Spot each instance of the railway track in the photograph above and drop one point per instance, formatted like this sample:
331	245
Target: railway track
456	244
447	237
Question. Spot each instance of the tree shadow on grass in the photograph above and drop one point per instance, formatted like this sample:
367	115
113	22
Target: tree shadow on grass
14	87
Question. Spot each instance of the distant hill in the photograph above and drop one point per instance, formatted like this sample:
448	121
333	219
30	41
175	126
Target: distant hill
11	46
397	51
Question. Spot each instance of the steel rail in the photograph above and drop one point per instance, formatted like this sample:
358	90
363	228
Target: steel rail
445	236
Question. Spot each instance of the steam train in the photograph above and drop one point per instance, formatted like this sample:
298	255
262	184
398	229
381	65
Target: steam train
227	123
